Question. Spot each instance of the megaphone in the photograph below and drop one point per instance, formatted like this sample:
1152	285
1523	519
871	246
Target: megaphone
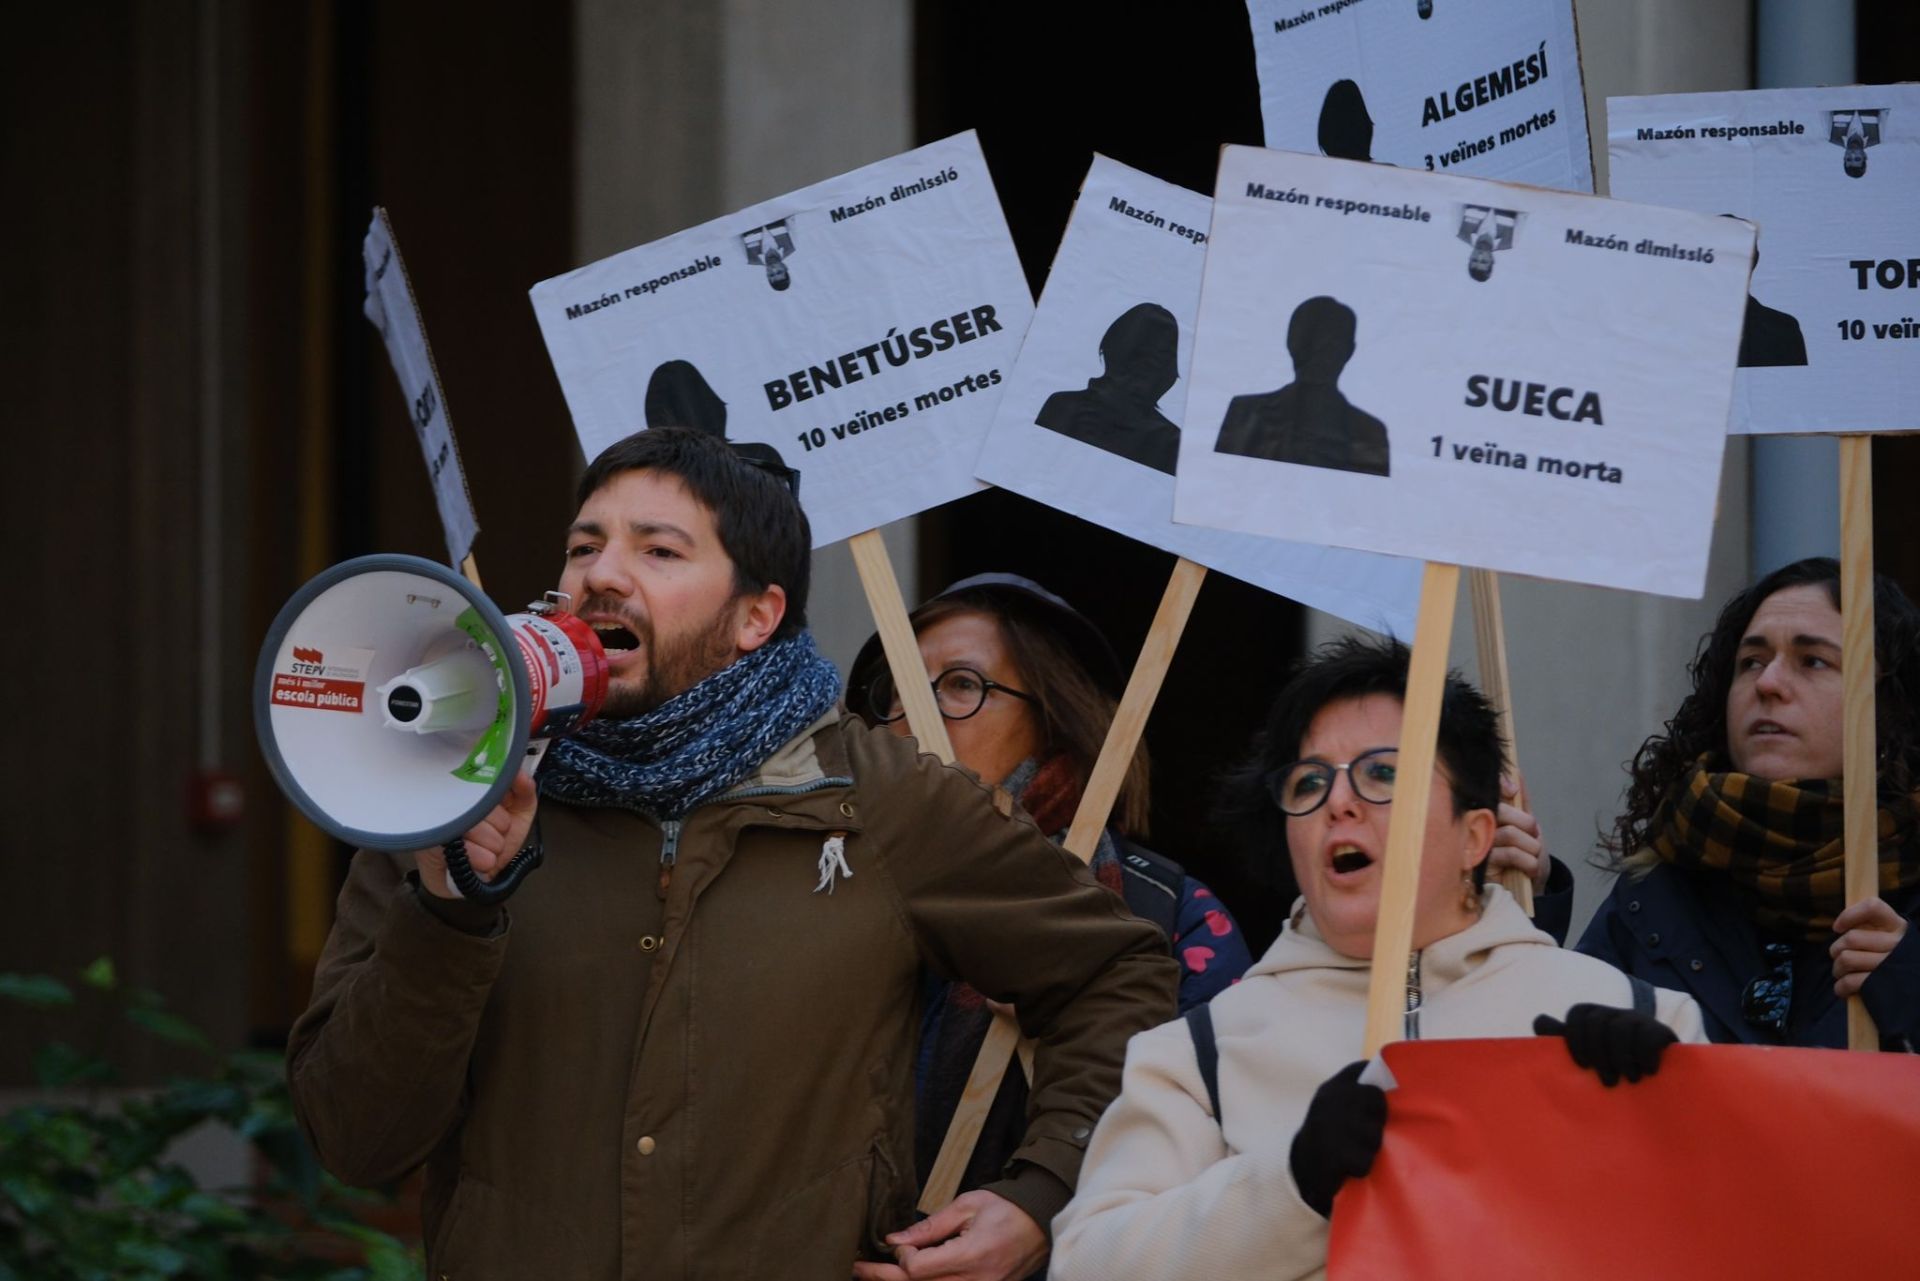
394	703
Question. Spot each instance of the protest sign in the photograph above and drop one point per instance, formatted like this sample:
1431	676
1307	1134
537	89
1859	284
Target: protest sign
390	306
1488	88
1830	175
1089	421
1465	371
1654	1180
1832	339
862	328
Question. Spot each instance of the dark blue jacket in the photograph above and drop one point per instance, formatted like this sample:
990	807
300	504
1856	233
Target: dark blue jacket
1690	931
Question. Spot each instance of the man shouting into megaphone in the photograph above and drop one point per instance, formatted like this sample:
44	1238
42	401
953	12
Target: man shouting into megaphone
687	1047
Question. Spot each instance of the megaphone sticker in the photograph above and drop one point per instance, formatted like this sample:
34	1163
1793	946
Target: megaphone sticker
322	680
491	749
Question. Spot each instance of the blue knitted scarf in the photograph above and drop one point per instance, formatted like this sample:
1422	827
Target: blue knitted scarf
701	741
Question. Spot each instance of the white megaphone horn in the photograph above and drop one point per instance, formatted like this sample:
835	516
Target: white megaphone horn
394	704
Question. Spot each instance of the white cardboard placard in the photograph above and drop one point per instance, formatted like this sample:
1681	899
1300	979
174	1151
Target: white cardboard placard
1462	371
1486	88
389	304
1832	176
1088	421
863	327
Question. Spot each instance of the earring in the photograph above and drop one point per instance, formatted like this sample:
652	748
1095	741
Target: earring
1469	893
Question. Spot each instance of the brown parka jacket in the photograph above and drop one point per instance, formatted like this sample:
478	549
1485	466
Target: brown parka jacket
714	1079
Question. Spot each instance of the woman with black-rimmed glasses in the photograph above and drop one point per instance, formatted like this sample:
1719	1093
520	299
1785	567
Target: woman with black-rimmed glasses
1235	1127
1027	687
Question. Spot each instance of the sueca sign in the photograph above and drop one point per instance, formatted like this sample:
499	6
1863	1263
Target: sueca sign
1463	371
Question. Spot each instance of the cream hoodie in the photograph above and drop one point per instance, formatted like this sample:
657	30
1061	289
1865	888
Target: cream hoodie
1164	1193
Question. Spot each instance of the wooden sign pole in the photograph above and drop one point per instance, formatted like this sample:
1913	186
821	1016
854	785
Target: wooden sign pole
875	567
1490	642
1130	718
1083	838
1858	666
1406	828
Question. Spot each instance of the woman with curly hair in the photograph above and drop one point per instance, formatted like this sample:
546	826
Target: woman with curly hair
1730	851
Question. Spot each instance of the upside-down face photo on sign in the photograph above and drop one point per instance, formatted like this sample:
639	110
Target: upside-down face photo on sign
1486	88
862	328
1832	177
1522	398
1089	420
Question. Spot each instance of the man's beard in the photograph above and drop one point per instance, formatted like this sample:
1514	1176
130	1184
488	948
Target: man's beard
671	667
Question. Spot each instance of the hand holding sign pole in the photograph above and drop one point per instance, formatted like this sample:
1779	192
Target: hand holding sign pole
1829	174
1089	424
1083	838
1550	400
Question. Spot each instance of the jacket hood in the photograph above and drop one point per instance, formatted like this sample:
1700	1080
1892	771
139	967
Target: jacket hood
1301	946
797	763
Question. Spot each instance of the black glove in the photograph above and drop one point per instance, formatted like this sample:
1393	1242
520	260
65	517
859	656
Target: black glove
1613	1042
1339	1138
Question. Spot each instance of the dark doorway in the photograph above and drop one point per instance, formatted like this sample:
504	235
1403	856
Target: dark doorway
1159	88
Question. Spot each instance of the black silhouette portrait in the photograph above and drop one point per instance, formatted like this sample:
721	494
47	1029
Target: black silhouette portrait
1854	131
1119	411
677	396
1487	231
1346	130
1308	421
767	459
1768	336
770	247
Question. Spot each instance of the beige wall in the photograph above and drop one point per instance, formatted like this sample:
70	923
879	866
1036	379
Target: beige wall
687	110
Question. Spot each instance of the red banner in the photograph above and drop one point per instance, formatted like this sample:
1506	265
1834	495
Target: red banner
1503	1159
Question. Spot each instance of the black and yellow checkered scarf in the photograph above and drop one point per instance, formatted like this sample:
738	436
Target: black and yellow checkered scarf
1781	842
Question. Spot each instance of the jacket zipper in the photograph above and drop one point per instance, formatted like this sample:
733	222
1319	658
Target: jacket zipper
670	827
1410	1025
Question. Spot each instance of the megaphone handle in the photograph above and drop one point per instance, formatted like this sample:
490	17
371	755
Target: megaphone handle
460	874
502	886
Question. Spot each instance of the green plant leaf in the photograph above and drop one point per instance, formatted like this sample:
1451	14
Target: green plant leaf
213	1211
204	1098
170	1027
391	1261
67	1138
58	1064
31	1192
35	989
100	975
157	1259
292	1161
